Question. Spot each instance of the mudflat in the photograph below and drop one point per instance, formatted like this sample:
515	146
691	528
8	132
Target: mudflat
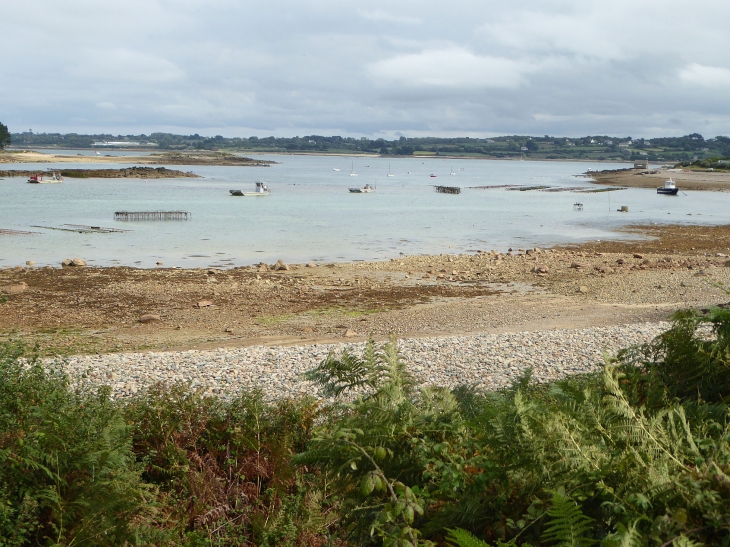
690	180
157	158
77	310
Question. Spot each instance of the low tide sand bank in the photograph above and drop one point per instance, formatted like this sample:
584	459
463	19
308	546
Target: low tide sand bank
158	158
715	181
88	310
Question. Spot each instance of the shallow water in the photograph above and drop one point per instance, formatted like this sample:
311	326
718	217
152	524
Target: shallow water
310	214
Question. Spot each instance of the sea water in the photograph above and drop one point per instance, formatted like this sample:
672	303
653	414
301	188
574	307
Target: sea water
311	216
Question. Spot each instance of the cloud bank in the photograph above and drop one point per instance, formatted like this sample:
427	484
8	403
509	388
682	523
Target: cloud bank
477	67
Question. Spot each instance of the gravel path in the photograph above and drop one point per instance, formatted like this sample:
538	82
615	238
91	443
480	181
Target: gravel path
489	361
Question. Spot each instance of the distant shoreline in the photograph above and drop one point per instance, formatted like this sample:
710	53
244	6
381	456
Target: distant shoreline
208	158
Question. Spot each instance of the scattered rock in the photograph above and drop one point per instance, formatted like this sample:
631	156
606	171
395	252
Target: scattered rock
229	330
149	318
78	262
159	263
578	265
727	264
67	262
349	333
263	267
280	265
311	265
583	289
620	261
637	255
203	304
29	263
15	289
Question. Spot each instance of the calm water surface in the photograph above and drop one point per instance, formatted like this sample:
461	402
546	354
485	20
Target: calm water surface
310	214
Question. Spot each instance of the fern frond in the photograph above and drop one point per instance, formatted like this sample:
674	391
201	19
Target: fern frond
462	538
568	525
337	375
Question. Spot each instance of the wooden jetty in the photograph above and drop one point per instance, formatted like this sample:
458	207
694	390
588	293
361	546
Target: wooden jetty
496	186
83	229
448	189
599	190
152	215
8	232
528	188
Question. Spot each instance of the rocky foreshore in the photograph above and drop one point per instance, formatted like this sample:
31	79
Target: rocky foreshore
127	172
486	361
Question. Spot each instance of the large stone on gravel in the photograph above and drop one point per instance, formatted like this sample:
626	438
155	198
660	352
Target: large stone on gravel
311	265
67	262
78	262
203	304
280	265
578	265
15	289
637	255
583	289
349	333
263	267
149	318
29	263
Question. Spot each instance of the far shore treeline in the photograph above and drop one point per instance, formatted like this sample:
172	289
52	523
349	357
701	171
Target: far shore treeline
597	147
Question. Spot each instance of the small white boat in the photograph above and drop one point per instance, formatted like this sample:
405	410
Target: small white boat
335	169
389	173
669	188
452	172
261	190
364	190
45	179
352	170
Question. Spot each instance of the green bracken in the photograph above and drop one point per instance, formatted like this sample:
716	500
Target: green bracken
636	454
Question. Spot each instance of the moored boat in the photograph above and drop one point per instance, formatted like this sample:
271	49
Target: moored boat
45	179
669	188
261	190
364	190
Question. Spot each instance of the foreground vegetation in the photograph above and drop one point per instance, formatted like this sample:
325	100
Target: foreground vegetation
638	454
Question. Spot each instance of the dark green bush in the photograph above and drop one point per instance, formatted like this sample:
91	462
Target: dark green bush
67	470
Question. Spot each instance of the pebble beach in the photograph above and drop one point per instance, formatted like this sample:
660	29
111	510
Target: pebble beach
488	361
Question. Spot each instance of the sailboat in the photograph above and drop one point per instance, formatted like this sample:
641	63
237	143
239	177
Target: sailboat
452	172
389	173
352	170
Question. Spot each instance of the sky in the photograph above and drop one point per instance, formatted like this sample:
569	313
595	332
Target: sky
640	68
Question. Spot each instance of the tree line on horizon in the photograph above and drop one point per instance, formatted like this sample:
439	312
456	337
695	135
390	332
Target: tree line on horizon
596	147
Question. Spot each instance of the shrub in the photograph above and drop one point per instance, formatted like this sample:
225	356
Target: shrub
67	471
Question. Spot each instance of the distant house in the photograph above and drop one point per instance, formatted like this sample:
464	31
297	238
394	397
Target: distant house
623	145
523	148
641	164
490	140
609	142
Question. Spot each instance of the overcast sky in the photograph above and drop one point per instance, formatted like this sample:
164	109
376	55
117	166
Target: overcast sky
414	68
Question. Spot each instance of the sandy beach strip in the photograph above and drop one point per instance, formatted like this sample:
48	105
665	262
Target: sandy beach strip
485	361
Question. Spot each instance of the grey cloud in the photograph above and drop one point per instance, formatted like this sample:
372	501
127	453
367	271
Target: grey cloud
470	67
